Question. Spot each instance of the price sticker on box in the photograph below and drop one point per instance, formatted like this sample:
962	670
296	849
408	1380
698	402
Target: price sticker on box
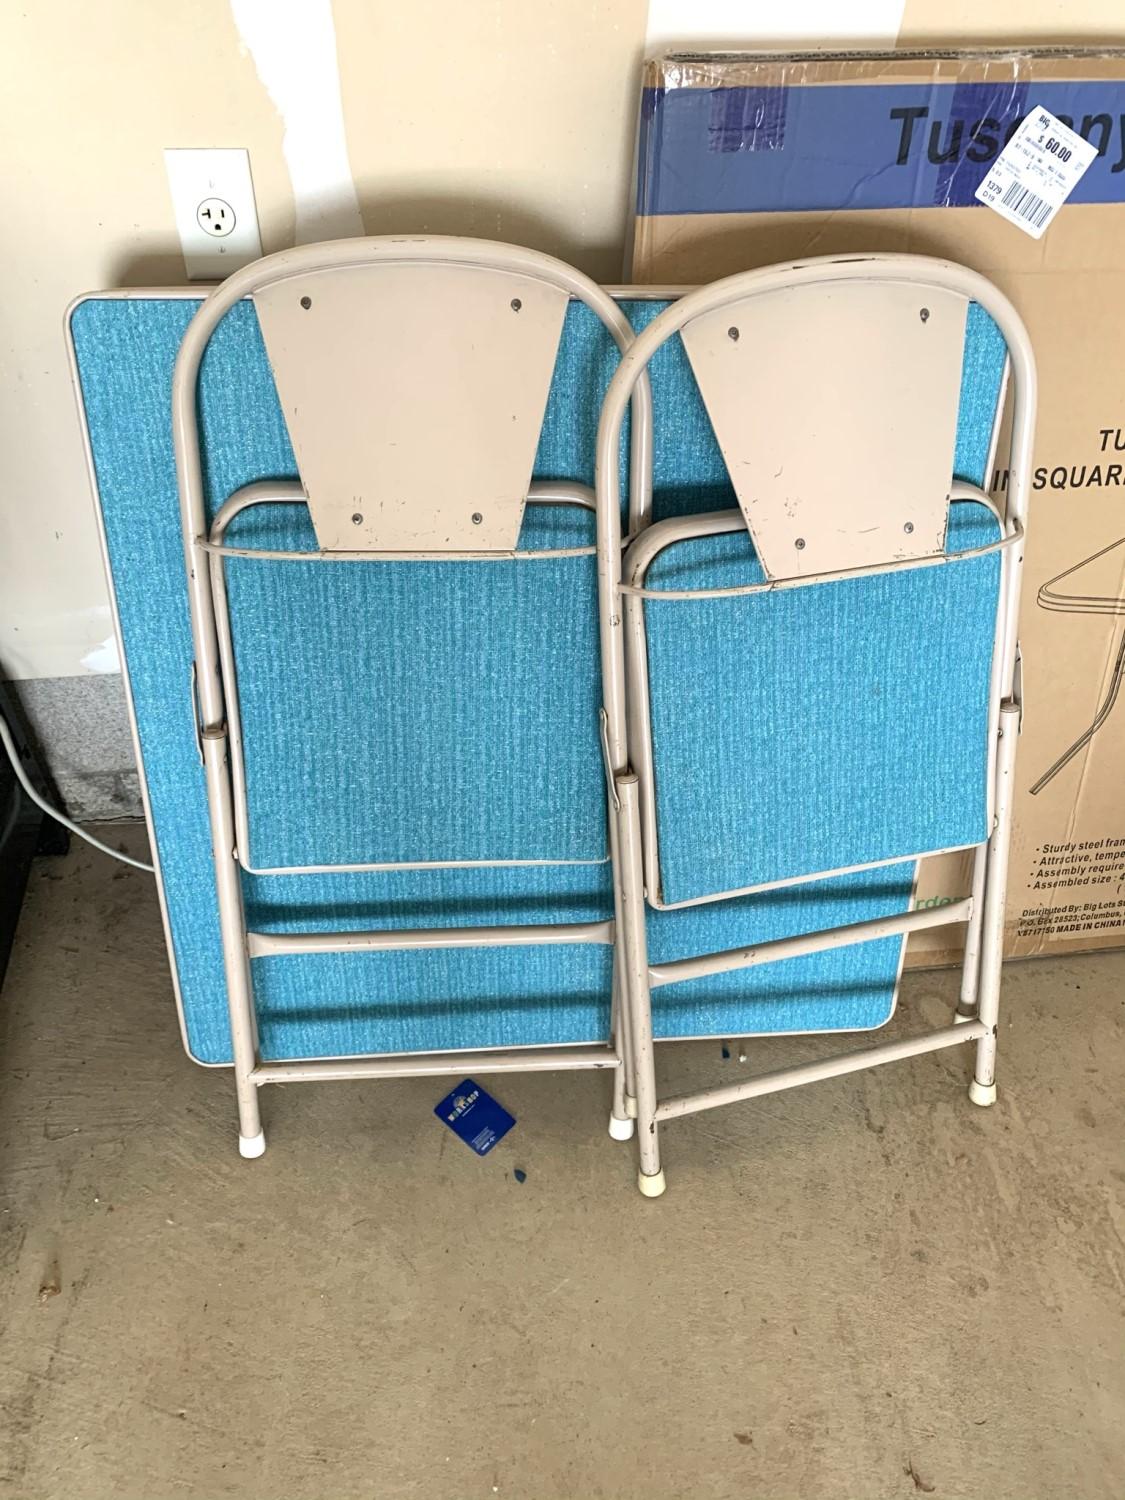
1036	172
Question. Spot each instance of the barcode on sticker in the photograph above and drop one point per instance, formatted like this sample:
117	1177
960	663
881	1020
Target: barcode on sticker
1027	204
1036	172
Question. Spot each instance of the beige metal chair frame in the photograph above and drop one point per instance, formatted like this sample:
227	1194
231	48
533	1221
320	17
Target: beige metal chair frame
867	288
344	278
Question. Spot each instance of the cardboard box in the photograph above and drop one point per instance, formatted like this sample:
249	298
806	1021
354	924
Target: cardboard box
745	160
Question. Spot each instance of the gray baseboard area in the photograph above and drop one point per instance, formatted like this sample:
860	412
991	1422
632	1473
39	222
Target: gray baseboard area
80	727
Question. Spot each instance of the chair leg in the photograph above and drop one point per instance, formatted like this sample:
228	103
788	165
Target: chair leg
970	967
630	1070
232	925
620	1120
251	1136
982	1090
624	1109
635	992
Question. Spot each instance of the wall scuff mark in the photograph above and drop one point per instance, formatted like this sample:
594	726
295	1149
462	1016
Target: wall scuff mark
293	45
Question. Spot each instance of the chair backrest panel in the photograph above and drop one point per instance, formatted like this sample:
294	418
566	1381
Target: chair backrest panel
835	406
414	397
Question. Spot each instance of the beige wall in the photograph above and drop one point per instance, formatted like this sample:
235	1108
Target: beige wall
748	24
1001	23
511	120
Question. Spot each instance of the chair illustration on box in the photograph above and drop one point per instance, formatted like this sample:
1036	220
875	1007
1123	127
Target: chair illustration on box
377	749
1106	566
853	698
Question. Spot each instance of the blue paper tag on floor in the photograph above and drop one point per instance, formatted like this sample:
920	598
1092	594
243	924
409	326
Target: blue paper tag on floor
475	1116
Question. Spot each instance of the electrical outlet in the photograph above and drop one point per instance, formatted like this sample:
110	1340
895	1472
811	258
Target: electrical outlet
217	218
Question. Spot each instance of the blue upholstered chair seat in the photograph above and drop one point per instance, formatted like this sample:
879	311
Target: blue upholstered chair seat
419	712
790	738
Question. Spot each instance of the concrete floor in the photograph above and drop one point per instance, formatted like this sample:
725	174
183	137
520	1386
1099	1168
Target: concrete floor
860	1290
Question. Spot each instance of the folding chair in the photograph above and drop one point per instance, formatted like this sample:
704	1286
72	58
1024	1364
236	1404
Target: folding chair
461	746
822	686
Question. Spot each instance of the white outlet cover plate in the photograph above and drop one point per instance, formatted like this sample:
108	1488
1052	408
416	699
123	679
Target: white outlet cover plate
206	185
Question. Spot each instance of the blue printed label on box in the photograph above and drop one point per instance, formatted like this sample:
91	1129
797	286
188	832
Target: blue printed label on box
828	147
475	1116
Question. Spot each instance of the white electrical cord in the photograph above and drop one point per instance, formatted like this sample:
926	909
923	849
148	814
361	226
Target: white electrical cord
21	776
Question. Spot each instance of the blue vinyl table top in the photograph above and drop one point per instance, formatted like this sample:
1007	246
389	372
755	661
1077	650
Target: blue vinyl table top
530	705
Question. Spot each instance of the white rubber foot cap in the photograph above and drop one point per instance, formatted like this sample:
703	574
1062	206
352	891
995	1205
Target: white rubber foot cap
653	1186
983	1094
251	1146
962	1020
620	1130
